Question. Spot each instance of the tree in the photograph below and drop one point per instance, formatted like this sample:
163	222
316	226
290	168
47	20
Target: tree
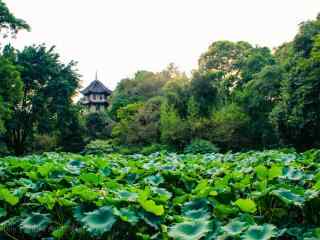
224	56
142	87
98	125
48	88
177	92
230	127
9	24
254	62
258	98
174	130
205	90
10	90
123	127
297	114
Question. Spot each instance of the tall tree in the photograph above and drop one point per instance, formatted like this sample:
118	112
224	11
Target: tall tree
49	86
10	82
297	115
10	89
9	24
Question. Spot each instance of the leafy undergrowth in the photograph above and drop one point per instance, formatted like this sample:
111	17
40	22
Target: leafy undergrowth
250	196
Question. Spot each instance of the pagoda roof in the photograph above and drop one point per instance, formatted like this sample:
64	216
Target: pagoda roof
96	87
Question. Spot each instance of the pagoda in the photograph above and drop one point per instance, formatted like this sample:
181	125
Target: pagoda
95	96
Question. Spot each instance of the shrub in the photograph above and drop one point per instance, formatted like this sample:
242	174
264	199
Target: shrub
201	146
153	148
44	143
3	149
99	147
231	125
128	150
98	125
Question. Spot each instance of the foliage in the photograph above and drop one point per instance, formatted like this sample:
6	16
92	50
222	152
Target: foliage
255	195
122	130
230	124
147	150
174	130
9	24
142	87
98	125
44	143
296	115
99	147
45	106
10	90
201	146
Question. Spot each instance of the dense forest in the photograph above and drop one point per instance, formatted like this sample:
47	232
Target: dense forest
240	97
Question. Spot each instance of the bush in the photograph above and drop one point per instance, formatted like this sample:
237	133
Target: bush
99	147
231	127
98	125
129	150
3	149
153	148
44	143
201	146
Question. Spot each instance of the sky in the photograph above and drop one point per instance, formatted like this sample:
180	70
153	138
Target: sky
119	37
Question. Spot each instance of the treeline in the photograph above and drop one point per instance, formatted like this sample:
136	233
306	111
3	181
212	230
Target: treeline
240	97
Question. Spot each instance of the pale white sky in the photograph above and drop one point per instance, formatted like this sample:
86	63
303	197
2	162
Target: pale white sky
119	37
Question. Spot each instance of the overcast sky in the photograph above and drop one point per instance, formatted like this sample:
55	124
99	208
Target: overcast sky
119	37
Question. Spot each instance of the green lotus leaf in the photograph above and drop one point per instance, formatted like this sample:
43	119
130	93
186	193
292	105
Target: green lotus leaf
84	192
28	183
127	215
35	223
163	194
195	205
47	199
152	207
262	172
8	197
106	171
154	180
91	178
225	210
74	166
274	172
127	196
99	221
189	230
150	219
78	213
66	202
3	212
292	174
264	232
246	205
46	169
60	232
197	214
289	197
235	227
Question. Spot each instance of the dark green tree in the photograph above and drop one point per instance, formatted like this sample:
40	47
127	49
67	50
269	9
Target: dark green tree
205	90
9	24
48	88
10	89
98	125
297	115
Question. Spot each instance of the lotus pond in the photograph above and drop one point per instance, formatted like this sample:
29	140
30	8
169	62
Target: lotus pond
251	196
